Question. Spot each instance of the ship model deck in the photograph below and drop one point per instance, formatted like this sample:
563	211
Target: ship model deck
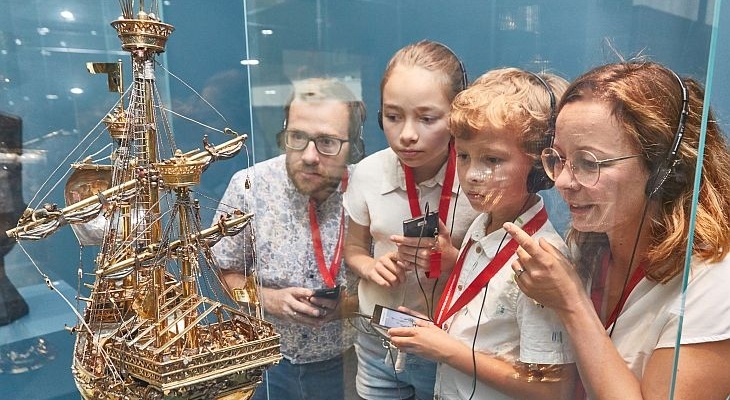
148	329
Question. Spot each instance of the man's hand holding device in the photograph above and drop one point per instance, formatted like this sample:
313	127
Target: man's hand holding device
333	302
328	293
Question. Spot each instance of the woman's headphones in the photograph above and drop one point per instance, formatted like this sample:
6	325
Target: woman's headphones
537	179
666	177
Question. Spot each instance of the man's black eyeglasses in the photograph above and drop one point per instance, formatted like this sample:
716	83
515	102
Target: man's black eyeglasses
325	145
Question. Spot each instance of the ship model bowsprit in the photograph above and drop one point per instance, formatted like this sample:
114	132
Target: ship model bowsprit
148	329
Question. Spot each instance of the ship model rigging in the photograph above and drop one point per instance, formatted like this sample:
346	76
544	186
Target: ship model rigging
148	329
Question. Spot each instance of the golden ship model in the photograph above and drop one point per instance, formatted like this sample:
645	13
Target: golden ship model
148	331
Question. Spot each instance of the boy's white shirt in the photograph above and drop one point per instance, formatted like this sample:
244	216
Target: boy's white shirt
511	325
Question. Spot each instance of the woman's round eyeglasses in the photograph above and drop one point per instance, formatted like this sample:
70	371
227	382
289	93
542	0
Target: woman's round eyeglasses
583	165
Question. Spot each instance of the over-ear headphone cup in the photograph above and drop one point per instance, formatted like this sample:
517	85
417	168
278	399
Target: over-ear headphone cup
357	150
280	139
538	180
655	181
671	177
666	183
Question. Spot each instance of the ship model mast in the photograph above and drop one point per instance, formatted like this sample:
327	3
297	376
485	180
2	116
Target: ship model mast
147	330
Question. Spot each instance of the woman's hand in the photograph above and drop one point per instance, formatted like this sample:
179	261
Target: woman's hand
543	273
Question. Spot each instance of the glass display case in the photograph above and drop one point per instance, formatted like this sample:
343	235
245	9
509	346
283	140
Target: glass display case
233	62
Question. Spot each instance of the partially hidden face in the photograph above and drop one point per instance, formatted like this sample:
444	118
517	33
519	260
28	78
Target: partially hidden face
616	200
415	116
312	173
492	169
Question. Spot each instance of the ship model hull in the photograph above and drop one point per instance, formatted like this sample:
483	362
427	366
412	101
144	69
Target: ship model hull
229	364
147	330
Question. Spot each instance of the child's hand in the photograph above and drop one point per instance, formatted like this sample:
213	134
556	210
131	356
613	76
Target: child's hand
386	272
412	312
415	253
424	340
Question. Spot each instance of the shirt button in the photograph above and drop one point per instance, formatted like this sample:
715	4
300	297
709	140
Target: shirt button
460	287
446	327
478	249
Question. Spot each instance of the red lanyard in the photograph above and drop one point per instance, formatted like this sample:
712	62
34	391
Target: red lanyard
445	189
444	202
597	291
328	274
597	298
444	312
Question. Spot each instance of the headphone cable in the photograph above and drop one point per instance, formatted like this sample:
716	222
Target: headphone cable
481	308
625	295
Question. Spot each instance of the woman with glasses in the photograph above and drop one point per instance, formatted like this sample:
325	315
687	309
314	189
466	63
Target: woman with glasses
624	157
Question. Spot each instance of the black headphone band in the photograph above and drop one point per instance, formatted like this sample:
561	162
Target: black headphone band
679	134
357	143
665	169
537	179
464	78
553	101
462	70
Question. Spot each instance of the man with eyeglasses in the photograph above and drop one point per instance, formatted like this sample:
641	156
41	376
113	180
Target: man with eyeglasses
299	229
